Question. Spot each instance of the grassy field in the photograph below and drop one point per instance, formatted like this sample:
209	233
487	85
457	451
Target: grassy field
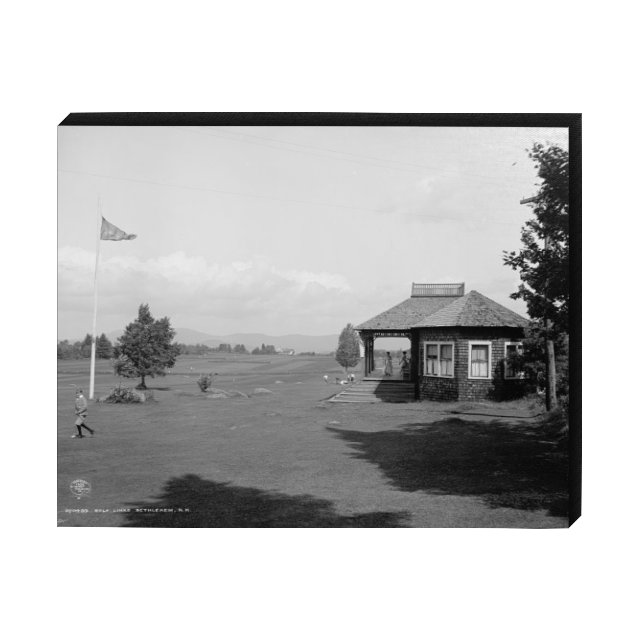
290	459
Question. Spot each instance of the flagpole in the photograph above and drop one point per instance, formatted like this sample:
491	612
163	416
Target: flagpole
95	306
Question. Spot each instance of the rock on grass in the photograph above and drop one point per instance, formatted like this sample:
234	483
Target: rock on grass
218	391
216	396
260	391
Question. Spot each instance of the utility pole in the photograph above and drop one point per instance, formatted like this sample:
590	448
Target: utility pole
551	399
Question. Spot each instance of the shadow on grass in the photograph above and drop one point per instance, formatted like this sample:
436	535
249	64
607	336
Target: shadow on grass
504	464
394	390
498	415
221	504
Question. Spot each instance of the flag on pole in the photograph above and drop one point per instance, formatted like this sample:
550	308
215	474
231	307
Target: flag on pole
111	232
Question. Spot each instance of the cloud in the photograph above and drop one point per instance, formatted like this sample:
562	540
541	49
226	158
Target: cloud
185	286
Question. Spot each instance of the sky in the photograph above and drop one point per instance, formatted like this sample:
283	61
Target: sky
283	230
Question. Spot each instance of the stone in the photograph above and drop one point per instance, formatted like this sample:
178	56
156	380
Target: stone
236	394
216	396
260	390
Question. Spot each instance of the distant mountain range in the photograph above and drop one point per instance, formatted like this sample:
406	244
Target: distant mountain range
319	344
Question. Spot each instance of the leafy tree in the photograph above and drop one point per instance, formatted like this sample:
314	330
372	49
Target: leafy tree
256	351
68	351
240	348
348	351
104	348
63	345
182	348
147	343
543	262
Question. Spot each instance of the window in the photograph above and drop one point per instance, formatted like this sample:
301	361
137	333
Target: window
510	350
480	360
438	359
432	360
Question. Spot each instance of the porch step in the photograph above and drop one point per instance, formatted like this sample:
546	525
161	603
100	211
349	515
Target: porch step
374	391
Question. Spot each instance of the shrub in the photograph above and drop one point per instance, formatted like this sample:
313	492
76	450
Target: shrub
205	381
118	395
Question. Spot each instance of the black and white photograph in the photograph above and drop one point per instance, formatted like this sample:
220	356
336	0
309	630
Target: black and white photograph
316	321
317	280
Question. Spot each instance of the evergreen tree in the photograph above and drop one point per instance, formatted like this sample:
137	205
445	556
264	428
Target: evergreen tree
104	348
85	346
147	343
348	351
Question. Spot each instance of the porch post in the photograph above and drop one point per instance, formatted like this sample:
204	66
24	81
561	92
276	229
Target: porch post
371	354
415	362
365	341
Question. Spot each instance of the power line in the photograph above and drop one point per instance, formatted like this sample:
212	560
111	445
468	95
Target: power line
504	182
247	195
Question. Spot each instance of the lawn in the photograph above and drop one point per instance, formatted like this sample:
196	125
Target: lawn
291	459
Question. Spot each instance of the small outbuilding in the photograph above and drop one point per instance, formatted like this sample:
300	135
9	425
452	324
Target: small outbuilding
460	344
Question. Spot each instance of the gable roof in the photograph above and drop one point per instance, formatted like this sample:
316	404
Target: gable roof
406	314
473	310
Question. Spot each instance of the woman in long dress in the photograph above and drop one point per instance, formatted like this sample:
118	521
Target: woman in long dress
404	365
388	365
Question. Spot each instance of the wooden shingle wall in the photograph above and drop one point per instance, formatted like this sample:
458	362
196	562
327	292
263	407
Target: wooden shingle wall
461	387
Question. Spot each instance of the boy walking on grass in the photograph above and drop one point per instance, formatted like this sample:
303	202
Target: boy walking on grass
81	413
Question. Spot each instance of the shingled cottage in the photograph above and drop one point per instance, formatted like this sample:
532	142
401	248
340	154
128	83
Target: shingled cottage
459	343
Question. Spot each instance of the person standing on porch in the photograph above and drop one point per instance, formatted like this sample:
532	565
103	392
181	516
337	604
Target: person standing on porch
388	365
404	364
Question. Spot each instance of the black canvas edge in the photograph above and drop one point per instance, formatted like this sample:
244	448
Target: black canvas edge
337	119
572	121
575	320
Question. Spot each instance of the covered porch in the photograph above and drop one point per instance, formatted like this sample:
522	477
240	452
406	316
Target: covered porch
373	368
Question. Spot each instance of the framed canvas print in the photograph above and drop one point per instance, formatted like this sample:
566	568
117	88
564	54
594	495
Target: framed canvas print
319	320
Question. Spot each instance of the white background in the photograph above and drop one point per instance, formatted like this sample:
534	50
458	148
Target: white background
334	56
